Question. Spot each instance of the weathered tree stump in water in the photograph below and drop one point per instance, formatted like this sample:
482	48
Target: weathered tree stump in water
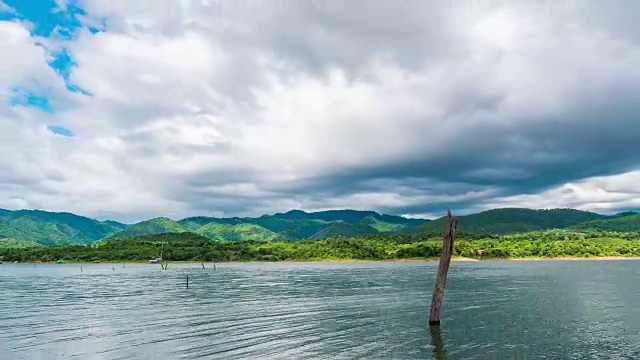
443	268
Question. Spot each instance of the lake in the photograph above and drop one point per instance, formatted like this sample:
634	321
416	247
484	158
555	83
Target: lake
369	310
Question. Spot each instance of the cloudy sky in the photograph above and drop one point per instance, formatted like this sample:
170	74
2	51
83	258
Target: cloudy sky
135	109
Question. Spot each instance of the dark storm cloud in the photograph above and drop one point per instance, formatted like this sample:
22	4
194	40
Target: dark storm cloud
596	137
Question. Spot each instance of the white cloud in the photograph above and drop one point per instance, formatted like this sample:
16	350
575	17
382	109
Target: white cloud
203	107
27	64
605	194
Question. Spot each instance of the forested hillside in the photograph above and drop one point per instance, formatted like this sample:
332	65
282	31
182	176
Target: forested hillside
513	220
292	225
187	246
50	228
623	222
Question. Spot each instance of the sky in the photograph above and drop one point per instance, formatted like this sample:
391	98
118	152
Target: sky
128	110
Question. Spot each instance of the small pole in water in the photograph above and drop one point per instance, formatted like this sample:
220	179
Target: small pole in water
202	264
113	268
80	268
187	281
443	268
214	265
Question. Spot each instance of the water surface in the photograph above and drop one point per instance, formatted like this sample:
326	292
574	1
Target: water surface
512	310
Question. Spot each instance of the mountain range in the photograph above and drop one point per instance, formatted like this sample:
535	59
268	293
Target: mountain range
29	227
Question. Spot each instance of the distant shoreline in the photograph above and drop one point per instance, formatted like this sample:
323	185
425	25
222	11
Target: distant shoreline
453	259
467	259
574	258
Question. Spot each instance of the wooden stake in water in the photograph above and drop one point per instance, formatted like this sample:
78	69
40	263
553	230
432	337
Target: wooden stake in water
187	281
443	268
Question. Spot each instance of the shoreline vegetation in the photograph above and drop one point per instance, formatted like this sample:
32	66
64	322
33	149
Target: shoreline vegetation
453	259
191	247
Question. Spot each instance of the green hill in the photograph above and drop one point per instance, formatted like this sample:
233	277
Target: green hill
347	216
512	220
232	229
28	227
239	232
314	224
292	225
196	222
8	243
292	229
151	227
50	228
384	224
342	229
157	238
625	222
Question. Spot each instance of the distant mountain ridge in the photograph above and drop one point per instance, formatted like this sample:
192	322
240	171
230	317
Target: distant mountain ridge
50	228
513	220
292	225
28	227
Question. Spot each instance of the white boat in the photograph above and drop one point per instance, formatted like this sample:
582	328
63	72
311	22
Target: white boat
155	261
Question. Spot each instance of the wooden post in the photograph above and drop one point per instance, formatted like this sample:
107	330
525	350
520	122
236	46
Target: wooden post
443	268
187	281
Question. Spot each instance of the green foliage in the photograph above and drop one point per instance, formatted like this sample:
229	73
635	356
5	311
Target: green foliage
293	229
626	222
239	232
6	243
151	227
186	246
339	228
385	226
513	220
50	228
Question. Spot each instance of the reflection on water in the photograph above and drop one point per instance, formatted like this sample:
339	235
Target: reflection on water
438	345
527	310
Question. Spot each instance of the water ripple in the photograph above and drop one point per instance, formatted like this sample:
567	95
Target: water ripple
582	310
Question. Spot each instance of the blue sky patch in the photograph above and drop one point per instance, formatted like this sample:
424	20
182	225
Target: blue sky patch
46	18
62	63
24	97
60	130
